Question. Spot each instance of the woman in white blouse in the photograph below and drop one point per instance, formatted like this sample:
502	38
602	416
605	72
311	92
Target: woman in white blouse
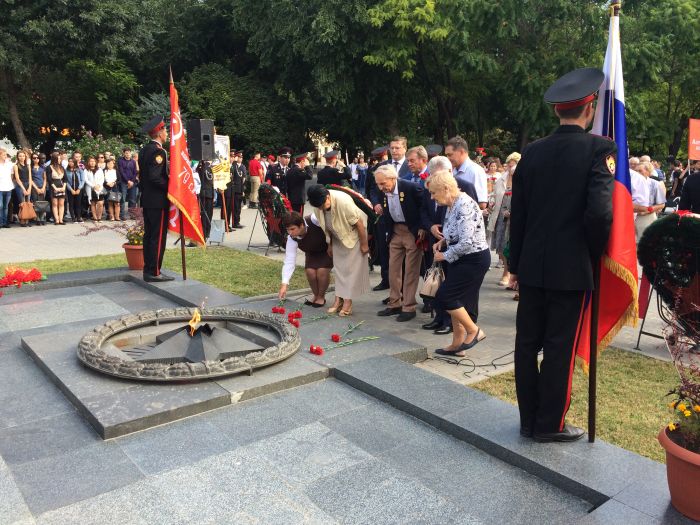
95	180
305	233
467	257
113	207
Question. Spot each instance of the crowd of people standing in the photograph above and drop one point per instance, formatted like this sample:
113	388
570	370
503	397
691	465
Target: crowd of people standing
62	187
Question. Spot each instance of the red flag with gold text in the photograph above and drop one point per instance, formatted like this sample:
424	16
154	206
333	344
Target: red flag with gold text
183	199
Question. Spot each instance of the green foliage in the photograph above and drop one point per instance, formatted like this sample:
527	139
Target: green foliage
246	109
91	144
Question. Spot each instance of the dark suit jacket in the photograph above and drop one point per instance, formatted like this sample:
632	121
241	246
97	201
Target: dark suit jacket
153	176
373	193
296	182
330	175
690	196
432	214
275	174
561	209
411	199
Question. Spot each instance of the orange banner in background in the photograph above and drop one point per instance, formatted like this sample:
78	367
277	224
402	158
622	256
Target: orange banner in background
694	139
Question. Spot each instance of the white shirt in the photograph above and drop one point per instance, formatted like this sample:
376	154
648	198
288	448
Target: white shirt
110	176
95	180
290	253
6	172
397	164
353	171
393	201
640	188
472	172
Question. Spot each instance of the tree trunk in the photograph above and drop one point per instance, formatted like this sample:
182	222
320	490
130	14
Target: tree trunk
523	136
678	136
8	85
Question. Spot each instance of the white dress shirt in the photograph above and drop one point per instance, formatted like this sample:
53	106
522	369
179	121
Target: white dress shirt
290	253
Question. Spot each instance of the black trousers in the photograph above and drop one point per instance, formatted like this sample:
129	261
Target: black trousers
547	320
234	204
206	209
75	205
382	248
155	231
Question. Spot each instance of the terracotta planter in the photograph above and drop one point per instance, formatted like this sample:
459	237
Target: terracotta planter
683	472
134	256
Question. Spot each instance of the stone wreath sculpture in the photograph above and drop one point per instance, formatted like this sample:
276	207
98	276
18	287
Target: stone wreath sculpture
92	354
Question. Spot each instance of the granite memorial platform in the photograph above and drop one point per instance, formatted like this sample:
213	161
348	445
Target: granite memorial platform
356	435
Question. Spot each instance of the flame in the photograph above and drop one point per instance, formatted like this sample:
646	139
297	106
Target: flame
196	317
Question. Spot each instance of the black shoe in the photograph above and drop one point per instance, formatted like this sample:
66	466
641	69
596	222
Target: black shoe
157	278
386	301
444	330
381	286
406	316
443	351
432	325
389	311
526	431
426	309
239	226
480	336
570	433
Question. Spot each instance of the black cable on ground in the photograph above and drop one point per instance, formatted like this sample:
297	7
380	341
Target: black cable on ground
467	361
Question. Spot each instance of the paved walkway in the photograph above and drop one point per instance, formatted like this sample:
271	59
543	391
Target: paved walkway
496	304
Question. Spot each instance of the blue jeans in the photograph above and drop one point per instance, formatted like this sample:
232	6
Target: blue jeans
129	196
4	206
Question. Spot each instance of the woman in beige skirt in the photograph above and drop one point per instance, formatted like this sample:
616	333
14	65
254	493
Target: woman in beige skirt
345	226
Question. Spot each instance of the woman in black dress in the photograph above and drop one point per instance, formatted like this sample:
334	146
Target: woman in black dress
465	251
56	176
304	233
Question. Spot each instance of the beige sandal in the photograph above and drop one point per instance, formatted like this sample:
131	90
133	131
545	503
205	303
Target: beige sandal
335	308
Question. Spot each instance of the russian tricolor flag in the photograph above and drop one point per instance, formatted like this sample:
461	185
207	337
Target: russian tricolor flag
618	272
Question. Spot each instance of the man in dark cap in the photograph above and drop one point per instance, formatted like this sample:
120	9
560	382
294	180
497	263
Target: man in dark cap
553	249
153	174
296	181
235	189
277	171
334	172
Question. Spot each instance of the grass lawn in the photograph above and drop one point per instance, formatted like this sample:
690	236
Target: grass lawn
631	403
241	273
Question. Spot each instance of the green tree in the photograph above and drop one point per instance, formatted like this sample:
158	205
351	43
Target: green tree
661	45
246	109
44	35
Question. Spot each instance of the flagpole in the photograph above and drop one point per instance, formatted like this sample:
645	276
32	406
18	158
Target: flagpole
182	247
593	353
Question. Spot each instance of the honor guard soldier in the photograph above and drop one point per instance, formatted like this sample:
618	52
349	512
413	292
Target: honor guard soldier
206	195
561	214
334	172
277	172
234	190
296	182
153	168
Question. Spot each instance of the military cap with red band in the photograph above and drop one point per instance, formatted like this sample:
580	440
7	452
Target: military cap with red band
154	125
575	89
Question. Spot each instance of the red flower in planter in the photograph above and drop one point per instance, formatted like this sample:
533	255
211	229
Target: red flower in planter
335	338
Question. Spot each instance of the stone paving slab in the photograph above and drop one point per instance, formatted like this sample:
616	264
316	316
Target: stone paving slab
580	468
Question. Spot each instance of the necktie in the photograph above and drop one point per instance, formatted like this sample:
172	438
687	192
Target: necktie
396	165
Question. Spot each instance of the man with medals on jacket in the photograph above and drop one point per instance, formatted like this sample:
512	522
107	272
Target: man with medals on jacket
235	188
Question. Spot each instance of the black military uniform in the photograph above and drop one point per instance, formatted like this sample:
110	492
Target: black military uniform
561	213
153	168
380	227
296	183
335	174
234	192
206	195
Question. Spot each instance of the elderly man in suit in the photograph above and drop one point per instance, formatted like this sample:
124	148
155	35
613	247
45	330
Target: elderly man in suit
402	205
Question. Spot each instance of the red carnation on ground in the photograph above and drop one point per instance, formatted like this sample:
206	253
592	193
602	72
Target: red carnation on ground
316	350
294	323
335	338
